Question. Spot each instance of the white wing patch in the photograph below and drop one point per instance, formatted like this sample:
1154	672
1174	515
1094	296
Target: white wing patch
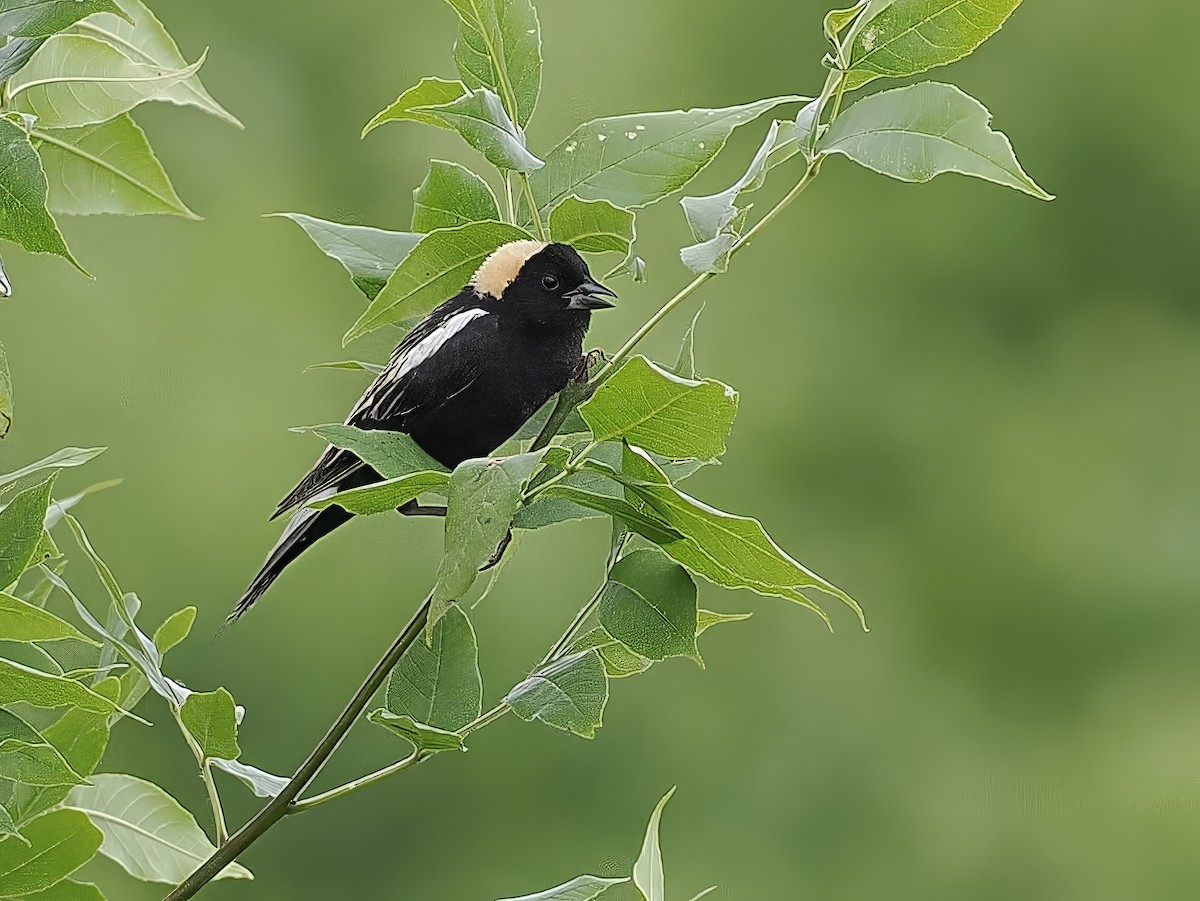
432	343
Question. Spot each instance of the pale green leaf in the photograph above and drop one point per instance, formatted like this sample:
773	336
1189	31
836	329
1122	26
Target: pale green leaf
838	20
175	628
685	366
210	718
60	507
919	132
22	621
391	454
145	830
906	37
262	783
42	18
78	80
438	268
23	214
648	868
619	661
661	412
146	41
6	389
21	530
59	843
499	47
370	255
421	736
569	694
439	683
427	92
483	123
385	496
348	366
106	168
63	459
649	605
452	195
581	888
593	226
636	160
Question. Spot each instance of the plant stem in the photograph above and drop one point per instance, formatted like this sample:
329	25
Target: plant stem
278	806
215	800
527	191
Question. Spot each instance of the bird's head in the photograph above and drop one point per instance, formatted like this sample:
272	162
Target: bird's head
545	281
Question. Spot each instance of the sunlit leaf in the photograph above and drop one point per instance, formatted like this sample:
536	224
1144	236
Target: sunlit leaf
581	888
426	92
69	890
648	868
499	47
452	195
370	255
569	694
592	226
22	683
21	530
916	133
23	214
37	764
619	661
22	621
175	628
707	619
439	683
145	830
421	736
438	268
106	168
59	843
209	717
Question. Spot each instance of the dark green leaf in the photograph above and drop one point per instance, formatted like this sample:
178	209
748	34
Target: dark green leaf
636	160
912	36
652	408
649	605
593	226
23	214
438	268
69	890
63	459
919	132
421	736
568	694
439	683
145	830
106	168
572	425
15	54
483	123
383	497
174	629
8	828
391	454
637	520
59	843
21	530
22	621
209	716
370	255
42	18
427	92
499	47
262	783
452	195
581	888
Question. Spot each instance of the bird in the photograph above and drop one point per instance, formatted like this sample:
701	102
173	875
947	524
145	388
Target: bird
460	384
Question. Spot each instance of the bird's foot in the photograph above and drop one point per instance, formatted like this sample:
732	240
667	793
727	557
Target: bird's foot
588	362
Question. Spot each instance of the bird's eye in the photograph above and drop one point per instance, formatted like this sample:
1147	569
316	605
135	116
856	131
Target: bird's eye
549	282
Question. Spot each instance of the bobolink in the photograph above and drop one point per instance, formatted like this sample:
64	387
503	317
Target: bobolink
461	383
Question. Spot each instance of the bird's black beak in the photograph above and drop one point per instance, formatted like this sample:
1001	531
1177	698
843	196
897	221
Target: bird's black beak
590	296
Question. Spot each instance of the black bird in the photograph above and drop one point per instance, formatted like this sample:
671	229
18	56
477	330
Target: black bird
461	383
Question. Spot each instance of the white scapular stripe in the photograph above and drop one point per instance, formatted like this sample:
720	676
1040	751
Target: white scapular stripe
432	343
302	516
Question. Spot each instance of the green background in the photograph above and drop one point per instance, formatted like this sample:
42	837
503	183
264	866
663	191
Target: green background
975	411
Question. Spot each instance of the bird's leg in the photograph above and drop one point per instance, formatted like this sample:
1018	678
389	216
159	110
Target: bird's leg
412	508
583	369
501	549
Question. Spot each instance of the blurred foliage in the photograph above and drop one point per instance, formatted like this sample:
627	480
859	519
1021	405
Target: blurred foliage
983	417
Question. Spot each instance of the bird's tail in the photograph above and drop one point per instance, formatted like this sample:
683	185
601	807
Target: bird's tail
304	529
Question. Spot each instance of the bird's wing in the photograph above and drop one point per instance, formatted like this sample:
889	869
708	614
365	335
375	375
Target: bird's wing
408	384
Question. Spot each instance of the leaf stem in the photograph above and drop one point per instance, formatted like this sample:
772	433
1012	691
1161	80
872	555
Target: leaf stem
350	787
527	191
215	800
274	811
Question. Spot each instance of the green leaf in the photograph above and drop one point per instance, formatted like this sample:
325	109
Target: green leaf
685	366
146	831
106	168
569	694
59	843
649	605
421	736
918	132
77	80
262	783
707	619
838	20
452	195
427	92
68	890
15	54
6	390
37	764
348	365
648	868
386	496
210	718
572	425
391	454
438	268
8	829
581	888
144	40
637	520
42	18
21	530
593	226
22	683
483	123
62	459
734	551
439	683
619	661
370	255
175	628
23	214
655	409
499	47
636	160
22	621
485	494
912	36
